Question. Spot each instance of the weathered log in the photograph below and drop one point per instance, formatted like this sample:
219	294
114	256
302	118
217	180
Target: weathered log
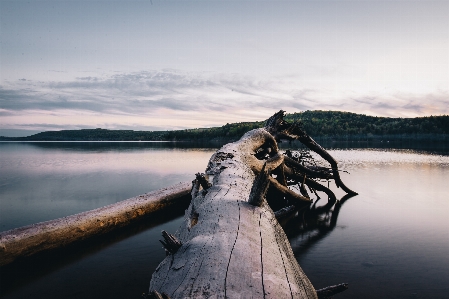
29	240
232	244
236	249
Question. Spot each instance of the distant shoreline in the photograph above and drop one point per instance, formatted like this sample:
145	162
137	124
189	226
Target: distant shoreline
335	138
318	124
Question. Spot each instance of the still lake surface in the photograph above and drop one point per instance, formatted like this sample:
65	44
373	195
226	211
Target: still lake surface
390	241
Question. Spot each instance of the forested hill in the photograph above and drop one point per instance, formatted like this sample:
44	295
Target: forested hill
316	124
333	123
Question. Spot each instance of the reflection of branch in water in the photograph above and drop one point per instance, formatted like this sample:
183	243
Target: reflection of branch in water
312	225
316	223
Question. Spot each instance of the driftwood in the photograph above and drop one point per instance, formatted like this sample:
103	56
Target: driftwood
231	244
50	235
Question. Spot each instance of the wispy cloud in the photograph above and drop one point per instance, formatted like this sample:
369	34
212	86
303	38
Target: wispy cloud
171	99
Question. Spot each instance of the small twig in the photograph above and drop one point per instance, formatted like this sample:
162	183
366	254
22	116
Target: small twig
296	177
321	173
327	292
299	199
171	244
155	295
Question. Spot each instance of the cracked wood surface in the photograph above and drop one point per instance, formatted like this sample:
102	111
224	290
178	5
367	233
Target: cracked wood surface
233	249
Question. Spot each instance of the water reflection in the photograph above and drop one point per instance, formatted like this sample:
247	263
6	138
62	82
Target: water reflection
428	146
118	145
312	225
39	184
395	231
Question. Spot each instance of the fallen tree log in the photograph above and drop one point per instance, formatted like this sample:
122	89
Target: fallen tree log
230	244
32	239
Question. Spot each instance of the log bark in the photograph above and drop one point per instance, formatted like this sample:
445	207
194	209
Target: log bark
29	240
232	244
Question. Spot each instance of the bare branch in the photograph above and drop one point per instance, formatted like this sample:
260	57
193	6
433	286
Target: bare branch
322	174
310	183
171	243
298	199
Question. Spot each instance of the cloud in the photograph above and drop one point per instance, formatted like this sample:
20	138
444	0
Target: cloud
170	99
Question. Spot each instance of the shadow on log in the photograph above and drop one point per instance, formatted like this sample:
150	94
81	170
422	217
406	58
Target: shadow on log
233	245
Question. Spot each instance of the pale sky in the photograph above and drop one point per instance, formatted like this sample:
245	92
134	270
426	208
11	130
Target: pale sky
162	65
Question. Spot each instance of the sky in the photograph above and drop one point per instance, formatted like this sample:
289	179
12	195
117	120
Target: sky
164	65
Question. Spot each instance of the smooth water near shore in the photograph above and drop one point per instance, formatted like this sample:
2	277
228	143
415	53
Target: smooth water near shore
390	241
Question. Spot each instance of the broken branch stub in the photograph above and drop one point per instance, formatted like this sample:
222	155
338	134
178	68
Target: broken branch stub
200	177
171	243
328	292
230	244
259	188
155	295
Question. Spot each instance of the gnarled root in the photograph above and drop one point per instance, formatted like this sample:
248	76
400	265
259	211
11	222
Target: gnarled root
281	129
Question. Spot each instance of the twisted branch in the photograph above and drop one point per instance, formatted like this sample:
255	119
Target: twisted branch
281	129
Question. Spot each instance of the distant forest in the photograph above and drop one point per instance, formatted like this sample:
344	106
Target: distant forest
325	124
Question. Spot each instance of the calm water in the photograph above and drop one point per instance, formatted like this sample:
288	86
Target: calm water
390	241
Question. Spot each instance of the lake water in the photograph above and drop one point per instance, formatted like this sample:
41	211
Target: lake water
390	241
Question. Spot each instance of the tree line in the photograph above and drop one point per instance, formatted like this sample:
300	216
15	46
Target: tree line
316	123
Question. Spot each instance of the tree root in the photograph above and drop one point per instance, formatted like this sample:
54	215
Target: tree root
280	129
